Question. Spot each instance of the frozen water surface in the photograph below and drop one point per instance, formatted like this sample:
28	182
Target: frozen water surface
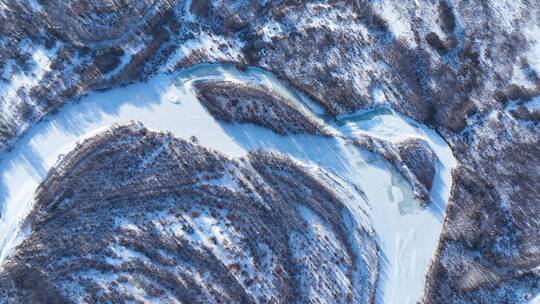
407	234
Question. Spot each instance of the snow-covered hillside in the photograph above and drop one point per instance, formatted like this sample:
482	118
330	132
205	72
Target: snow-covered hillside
324	84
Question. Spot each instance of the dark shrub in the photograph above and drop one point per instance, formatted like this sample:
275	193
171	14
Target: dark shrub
435	42
379	23
106	62
500	96
200	8
535	115
515	92
521	112
446	17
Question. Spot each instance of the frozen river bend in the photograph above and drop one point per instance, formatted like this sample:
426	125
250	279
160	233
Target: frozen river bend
362	160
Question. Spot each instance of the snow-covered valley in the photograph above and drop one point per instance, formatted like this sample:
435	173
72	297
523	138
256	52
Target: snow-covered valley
407	232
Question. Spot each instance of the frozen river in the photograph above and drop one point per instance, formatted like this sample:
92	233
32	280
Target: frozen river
168	103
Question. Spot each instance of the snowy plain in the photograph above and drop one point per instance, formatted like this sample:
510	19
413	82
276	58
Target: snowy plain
168	103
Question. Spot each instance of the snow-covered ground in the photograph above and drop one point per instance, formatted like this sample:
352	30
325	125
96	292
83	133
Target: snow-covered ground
24	81
169	103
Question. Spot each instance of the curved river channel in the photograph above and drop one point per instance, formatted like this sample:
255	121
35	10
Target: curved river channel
168	103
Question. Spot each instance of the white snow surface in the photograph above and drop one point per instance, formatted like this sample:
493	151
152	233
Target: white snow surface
398	20
533	35
25	80
168	102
